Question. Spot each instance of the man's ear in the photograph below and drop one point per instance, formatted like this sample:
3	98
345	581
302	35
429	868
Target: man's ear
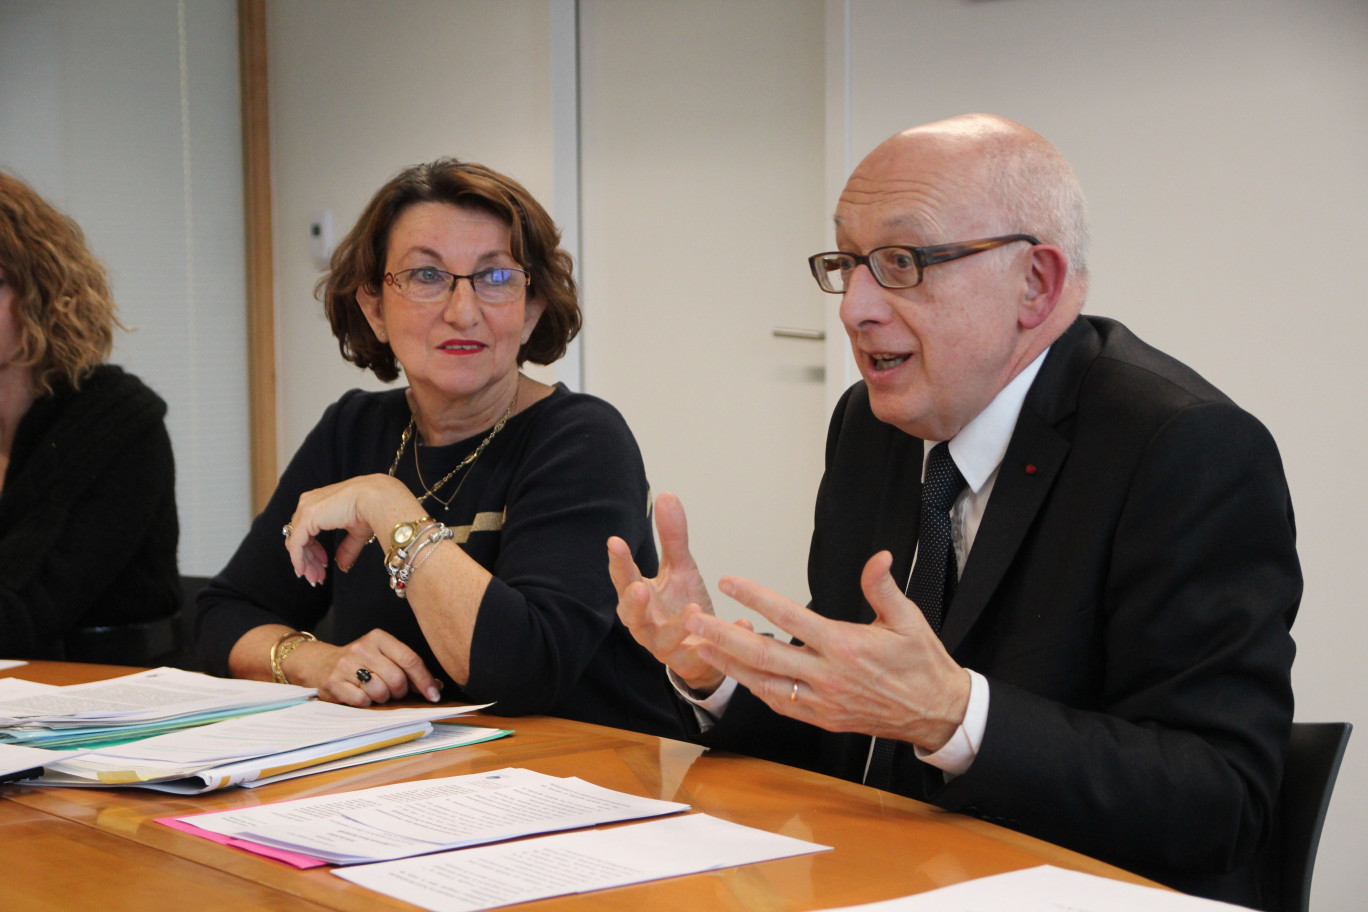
1045	277
370	308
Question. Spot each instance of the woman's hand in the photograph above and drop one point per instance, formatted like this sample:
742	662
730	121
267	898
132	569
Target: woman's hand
392	668
362	506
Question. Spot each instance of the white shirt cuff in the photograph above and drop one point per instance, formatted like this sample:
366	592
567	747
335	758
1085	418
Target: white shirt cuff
708	710
955	758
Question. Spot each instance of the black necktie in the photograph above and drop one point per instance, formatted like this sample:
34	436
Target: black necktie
933	577
935	574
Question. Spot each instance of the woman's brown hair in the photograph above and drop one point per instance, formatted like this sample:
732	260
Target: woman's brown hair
359	261
63	309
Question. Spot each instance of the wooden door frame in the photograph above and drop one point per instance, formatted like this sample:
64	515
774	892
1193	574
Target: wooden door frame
256	184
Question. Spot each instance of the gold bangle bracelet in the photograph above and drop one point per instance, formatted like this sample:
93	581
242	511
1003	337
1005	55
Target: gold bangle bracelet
281	649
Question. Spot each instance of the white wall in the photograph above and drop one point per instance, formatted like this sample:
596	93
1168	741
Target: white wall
360	90
125	116
1223	146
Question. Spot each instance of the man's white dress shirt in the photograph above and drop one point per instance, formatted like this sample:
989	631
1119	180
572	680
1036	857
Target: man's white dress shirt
977	451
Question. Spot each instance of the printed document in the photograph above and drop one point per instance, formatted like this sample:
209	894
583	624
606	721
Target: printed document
160	693
428	815
514	872
11	688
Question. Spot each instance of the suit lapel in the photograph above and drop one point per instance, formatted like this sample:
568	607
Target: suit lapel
1017	497
1034	456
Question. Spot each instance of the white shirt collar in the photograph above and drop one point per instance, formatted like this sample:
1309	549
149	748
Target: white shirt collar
980	445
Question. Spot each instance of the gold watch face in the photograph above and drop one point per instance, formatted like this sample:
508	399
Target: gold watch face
403	533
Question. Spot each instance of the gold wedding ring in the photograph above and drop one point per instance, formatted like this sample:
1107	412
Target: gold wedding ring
793	694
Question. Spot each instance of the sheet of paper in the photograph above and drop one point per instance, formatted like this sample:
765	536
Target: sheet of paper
11	663
157	693
1045	889
237	822
303	725
486	814
15	759
444	735
15	688
499	875
411	818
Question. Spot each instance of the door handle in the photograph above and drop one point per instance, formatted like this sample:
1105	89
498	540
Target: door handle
789	332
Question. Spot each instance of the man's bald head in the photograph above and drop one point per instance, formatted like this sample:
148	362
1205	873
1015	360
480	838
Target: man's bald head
935	353
1011	170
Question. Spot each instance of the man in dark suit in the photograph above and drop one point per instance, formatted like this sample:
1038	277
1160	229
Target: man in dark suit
1099	652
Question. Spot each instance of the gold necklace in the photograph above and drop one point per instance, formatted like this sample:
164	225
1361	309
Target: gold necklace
469	460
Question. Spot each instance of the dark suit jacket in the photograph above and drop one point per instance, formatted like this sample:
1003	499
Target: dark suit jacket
1128	597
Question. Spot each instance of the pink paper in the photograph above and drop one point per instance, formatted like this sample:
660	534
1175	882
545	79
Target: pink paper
290	858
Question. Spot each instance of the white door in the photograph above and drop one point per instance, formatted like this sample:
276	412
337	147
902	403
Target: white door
702	160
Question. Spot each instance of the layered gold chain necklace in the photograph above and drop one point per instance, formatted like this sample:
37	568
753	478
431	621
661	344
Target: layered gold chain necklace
468	461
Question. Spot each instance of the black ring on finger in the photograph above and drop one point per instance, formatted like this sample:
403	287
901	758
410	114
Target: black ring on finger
363	675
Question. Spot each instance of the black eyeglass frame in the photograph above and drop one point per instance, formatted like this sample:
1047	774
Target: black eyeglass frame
921	256
393	278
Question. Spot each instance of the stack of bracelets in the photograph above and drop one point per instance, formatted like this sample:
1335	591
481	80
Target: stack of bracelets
408	540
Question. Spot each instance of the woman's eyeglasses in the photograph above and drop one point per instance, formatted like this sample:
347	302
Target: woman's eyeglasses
429	285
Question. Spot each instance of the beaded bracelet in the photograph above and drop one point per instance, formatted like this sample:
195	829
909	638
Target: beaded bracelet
415	562
281	650
404	537
401	567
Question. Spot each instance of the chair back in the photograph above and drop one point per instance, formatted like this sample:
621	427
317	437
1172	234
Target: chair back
148	643
1313	762
184	656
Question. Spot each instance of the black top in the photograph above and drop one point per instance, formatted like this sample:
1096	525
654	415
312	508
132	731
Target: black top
561	477
88	527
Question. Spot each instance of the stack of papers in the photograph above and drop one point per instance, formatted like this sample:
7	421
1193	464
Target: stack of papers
515	872
444	735
132	706
235	751
183	732
25	762
428	815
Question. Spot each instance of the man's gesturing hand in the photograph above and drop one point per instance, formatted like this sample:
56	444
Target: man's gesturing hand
655	610
891	678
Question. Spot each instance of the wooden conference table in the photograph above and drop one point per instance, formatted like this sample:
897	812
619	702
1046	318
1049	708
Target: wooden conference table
79	849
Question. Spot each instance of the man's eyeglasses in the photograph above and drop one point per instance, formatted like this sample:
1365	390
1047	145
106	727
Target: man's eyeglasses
429	285
898	267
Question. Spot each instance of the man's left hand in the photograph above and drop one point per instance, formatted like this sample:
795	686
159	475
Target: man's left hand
891	678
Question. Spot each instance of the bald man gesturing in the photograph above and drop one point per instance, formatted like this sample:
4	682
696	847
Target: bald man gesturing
1053	570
